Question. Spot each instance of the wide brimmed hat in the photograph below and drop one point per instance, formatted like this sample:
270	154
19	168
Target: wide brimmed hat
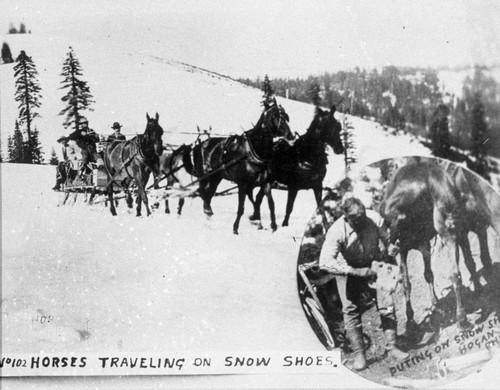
116	125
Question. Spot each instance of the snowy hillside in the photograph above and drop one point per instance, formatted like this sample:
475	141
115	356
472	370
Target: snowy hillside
163	283
126	85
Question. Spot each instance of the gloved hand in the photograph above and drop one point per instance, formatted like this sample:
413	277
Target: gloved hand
366	273
393	249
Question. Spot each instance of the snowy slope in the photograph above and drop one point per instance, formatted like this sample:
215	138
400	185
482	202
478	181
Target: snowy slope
126	85
158	283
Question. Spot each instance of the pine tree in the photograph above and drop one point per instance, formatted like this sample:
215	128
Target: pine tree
347	137
313	93
33	149
78	97
53	158
22	29
6	54
479	136
268	91
440	132
28	95
16	146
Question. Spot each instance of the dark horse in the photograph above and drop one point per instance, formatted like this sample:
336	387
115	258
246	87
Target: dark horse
421	200
302	166
132	161
178	179
243	159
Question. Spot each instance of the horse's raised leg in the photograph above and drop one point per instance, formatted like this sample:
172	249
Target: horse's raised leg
292	195
270	201
207	191
242	194
256	205
256	221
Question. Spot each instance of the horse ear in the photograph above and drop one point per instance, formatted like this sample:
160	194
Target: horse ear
157	117
147	117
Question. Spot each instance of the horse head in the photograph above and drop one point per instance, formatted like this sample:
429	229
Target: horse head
153	134
325	128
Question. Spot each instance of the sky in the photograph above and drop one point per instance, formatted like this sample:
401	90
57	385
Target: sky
280	38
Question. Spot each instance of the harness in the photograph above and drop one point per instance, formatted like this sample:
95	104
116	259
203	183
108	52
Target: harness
137	154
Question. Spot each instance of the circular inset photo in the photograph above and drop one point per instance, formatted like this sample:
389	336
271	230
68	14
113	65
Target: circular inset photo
400	269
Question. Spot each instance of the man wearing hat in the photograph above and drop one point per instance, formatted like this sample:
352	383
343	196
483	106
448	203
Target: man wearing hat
117	135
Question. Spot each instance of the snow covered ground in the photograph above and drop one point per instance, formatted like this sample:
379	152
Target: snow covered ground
76	279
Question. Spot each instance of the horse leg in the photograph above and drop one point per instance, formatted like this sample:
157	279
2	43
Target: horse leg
256	205
142	196
456	280
138	203
92	196
318	194
180	206
292	194
406	286
425	249
257	222
167	206
111	201
242	193
129	199
270	201
464	244
482	235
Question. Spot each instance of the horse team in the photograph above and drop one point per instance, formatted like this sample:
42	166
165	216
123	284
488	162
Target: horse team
422	199
266	153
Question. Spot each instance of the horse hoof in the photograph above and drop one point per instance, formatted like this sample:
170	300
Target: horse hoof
235	232
465	325
284	224
274	227
253	218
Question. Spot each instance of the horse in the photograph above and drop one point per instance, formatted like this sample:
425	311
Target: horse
243	159
420	202
132	161
302	165
477	202
172	168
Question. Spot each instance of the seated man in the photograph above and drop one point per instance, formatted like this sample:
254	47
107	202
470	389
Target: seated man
351	245
117	135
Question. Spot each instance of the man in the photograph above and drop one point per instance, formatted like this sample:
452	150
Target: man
350	246
117	135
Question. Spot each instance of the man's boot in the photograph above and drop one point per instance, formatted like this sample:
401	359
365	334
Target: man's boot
390	345
355	337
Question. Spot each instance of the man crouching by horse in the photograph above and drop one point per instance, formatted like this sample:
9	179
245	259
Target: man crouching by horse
351	245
